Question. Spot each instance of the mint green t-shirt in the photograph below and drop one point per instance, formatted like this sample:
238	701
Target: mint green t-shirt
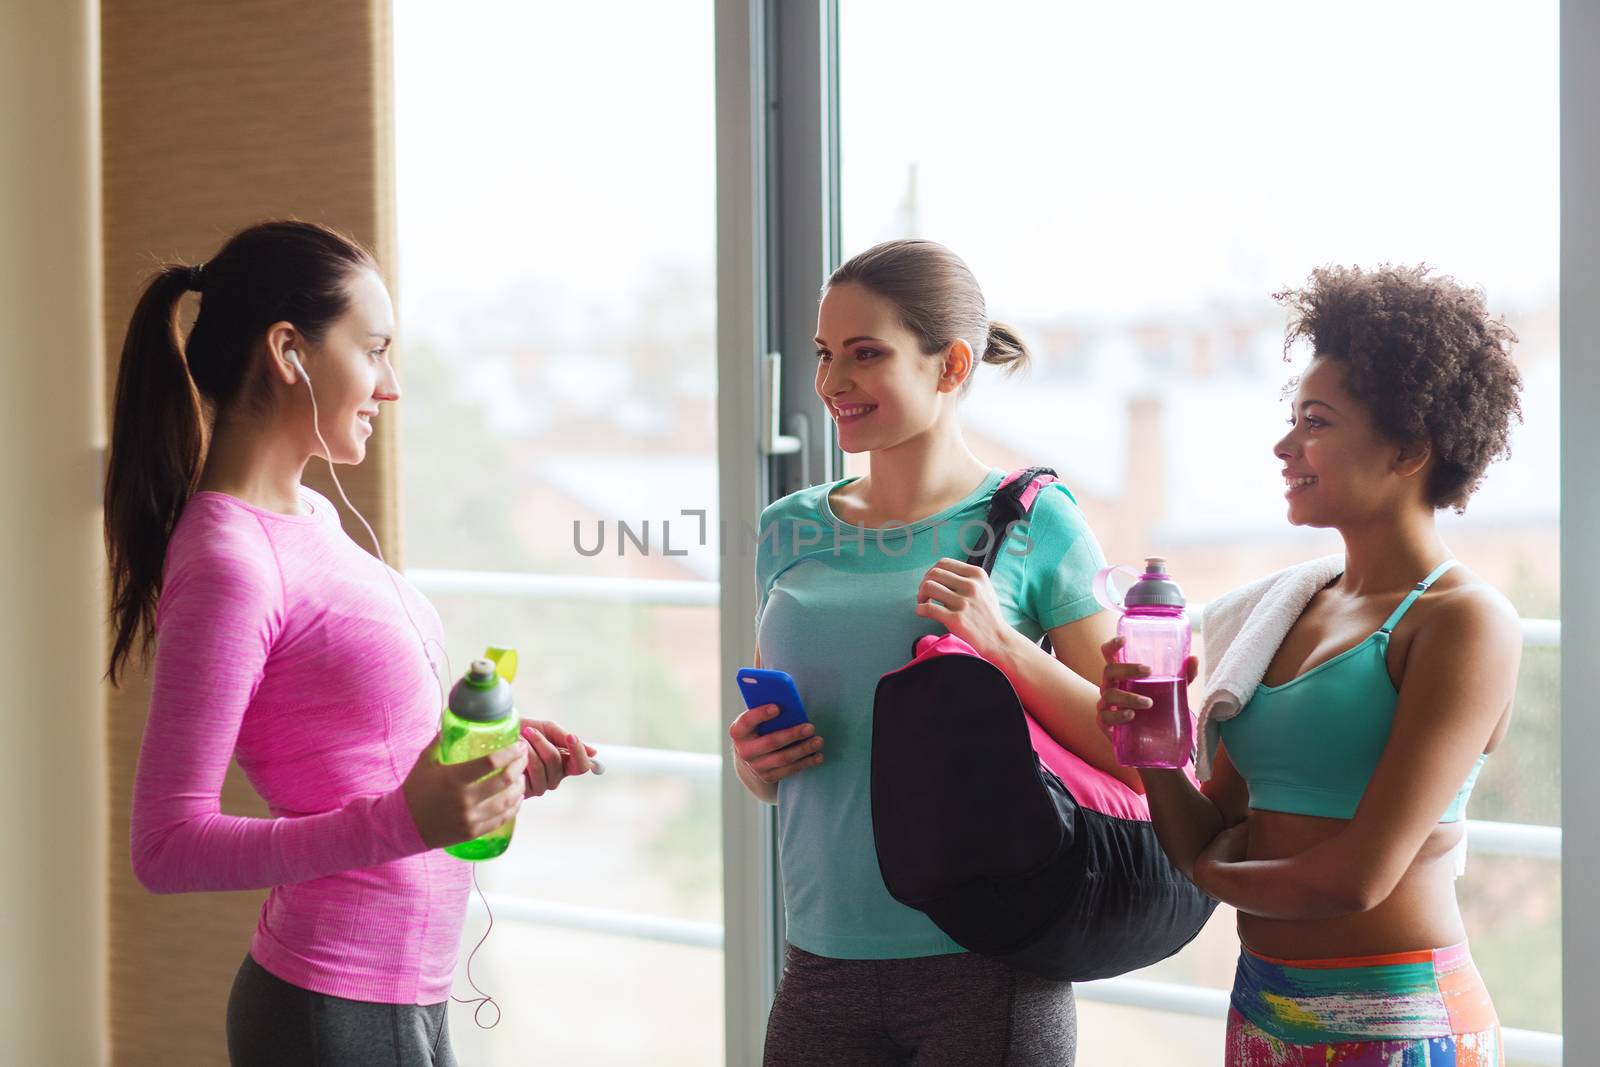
838	611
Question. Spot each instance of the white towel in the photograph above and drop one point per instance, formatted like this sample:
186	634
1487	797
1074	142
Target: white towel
1242	631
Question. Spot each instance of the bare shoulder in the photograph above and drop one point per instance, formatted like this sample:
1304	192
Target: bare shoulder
1470	606
1467	641
1471	599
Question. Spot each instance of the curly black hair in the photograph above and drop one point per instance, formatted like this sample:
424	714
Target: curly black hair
1425	357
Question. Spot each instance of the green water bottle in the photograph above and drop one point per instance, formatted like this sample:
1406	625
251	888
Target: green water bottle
481	719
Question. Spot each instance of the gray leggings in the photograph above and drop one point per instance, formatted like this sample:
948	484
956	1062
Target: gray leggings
960	1010
272	1023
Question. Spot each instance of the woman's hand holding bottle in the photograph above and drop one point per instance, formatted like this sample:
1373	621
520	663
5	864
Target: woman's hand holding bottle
456	802
1117	704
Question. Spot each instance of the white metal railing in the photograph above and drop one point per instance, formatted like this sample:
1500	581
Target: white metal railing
1541	633
1522	1046
1517	839
705	766
1483	837
510	908
656	592
650	592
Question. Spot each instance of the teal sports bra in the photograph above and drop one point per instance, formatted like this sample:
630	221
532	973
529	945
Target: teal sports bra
1311	745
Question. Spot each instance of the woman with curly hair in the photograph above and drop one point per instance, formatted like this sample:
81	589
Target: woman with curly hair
1344	743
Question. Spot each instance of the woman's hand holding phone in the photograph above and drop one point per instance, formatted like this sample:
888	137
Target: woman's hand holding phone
775	756
772	739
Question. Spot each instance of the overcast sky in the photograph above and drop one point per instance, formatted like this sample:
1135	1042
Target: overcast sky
1090	158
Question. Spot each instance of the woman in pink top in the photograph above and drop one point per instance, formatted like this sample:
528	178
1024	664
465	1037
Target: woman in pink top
280	642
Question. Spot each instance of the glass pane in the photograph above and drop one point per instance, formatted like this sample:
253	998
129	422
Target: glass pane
1136	1037
1512	909
557	305
1130	184
604	1000
1521	782
631	674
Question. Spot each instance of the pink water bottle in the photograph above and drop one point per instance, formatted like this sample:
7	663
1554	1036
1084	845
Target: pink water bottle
1154	632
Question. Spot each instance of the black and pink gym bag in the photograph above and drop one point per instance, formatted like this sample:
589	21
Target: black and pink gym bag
1012	845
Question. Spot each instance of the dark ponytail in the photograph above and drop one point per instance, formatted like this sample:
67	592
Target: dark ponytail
1005	349
170	391
937	298
157	440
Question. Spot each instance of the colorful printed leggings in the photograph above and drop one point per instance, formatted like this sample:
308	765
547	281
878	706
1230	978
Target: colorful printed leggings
1408	1009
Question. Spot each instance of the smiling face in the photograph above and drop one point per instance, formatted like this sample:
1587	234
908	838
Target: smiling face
879	386
1338	468
350	369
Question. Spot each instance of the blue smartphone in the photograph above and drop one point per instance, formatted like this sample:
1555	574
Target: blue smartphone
759	687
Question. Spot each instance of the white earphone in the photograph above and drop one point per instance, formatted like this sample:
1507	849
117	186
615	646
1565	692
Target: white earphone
294	359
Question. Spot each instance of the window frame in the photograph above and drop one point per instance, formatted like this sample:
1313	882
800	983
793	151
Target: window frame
1580	512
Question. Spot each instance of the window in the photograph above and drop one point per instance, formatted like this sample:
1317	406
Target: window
557	351
1129	185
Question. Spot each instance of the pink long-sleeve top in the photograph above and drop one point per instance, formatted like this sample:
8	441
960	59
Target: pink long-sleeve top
282	643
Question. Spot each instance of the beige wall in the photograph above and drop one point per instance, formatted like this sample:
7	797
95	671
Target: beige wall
52	763
217	115
213	116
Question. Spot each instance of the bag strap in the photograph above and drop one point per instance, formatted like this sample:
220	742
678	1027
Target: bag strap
1010	505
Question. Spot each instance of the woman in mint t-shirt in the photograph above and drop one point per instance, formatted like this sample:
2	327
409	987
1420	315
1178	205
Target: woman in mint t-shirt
850	575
